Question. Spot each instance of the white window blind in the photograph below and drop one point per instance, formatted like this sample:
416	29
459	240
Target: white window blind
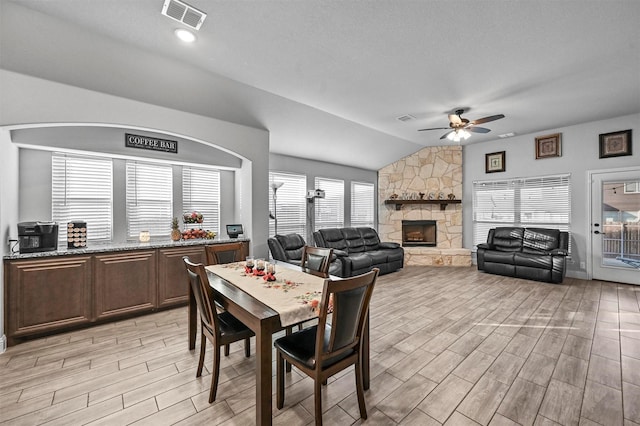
534	202
330	210
291	204
201	193
82	190
362	204
149	199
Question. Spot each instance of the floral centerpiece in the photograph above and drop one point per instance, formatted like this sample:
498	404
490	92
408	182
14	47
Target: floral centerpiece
193	217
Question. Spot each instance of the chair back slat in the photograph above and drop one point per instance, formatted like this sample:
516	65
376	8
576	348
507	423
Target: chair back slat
218	254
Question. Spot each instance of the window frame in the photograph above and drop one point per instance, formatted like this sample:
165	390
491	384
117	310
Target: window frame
356	204
95	182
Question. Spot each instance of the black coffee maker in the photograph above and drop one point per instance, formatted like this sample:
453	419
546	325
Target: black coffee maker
37	236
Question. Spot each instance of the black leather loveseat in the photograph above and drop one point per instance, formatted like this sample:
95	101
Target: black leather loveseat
531	253
288	248
360	250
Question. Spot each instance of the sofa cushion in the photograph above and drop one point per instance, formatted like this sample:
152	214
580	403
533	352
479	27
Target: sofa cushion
370	237
292	245
533	260
507	239
360	261
539	240
495	256
378	256
332	239
355	243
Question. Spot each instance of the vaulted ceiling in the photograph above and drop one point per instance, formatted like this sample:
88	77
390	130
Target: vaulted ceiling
329	78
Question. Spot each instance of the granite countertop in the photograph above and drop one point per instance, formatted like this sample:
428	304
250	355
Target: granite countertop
115	247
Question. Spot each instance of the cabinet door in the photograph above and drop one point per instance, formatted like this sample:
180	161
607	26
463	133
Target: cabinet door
173	284
124	283
47	294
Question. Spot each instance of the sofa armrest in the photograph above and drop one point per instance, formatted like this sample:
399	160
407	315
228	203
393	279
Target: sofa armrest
559	252
485	246
389	245
340	253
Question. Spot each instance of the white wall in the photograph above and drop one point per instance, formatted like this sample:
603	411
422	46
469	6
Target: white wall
8	210
580	153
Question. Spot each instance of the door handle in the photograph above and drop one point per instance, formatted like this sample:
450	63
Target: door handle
598	232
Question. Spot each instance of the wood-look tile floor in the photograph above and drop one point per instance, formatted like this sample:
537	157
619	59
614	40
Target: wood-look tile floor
449	346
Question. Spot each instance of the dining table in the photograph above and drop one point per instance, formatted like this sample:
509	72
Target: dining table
267	303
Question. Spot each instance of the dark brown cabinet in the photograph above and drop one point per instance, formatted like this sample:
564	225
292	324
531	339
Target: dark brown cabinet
55	293
172	278
124	283
47	294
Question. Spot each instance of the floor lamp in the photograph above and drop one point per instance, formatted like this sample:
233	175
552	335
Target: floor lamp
275	186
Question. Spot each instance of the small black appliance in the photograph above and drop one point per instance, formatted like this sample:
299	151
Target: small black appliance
234	230
37	236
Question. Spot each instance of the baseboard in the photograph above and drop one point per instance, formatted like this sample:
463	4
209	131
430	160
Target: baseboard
3	343
577	274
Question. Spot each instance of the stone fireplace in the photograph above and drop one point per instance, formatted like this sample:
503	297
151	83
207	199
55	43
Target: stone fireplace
419	233
418	181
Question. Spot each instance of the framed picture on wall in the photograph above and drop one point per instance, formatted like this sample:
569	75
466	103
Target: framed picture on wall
495	162
549	146
615	144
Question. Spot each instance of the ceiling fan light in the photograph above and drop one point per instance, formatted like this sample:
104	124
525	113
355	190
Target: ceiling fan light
451	136
465	134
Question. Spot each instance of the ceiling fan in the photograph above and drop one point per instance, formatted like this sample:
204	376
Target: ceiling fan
461	126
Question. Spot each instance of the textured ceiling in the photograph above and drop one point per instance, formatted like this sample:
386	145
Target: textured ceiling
328	79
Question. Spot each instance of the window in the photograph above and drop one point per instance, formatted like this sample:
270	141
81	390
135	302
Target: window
535	202
201	193
149	199
291	204
82	190
330	210
362	204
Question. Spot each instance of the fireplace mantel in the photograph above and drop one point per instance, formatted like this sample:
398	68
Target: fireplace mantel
443	203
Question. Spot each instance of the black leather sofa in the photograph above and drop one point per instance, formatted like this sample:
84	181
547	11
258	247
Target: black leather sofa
288	248
531	253
360	250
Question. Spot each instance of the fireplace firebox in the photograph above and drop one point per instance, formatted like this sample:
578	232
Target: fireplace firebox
419	233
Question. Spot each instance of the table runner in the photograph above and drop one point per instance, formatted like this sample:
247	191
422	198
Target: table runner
294	294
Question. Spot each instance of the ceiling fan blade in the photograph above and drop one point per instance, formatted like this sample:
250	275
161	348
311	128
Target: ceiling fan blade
446	134
478	129
455	119
487	119
434	128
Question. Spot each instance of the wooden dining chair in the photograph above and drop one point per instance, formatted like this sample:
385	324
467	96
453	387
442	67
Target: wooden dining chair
332	345
224	253
220	329
316	259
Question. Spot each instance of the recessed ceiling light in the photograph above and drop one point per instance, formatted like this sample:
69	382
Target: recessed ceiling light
185	35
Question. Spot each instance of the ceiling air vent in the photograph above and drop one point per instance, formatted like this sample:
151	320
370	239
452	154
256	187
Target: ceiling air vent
182	12
406	117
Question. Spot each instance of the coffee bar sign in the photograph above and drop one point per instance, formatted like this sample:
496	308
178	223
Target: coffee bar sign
154	144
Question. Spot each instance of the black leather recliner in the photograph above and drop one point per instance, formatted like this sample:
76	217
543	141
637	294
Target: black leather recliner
360	250
288	248
532	253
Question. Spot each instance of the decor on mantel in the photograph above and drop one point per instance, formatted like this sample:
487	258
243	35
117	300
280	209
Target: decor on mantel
615	144
549	146
495	162
443	203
